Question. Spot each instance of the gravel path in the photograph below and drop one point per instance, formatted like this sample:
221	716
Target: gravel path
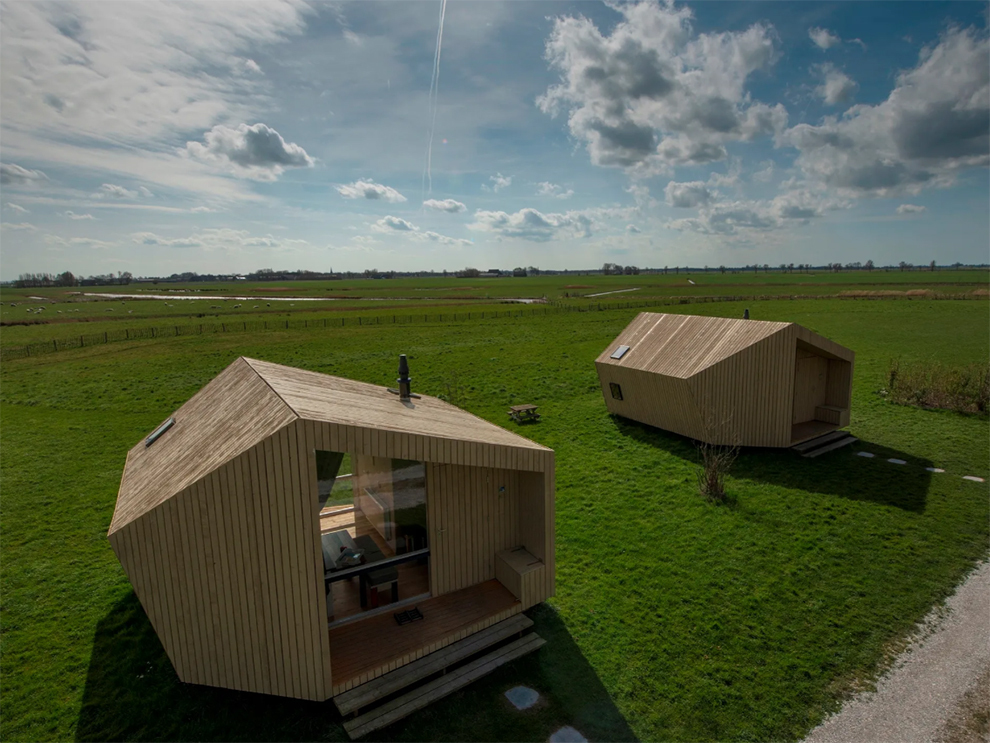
935	678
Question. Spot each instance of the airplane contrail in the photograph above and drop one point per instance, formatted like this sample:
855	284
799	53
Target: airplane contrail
434	92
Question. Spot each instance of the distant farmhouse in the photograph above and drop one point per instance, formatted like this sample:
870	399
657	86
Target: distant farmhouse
282	524
727	381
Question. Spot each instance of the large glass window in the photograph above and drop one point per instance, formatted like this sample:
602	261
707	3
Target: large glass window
374	535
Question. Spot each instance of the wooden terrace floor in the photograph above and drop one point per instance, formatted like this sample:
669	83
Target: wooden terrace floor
366	649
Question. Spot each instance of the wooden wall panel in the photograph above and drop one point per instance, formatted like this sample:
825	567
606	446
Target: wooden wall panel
810	385
655	399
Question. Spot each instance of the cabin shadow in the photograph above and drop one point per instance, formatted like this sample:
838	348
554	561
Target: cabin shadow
132	693
838	472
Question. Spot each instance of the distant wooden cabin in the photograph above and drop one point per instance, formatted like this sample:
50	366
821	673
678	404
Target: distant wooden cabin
727	381
276	527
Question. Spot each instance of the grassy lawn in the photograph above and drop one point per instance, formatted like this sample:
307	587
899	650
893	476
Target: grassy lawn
673	619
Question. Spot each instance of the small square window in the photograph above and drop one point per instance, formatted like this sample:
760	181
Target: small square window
616	390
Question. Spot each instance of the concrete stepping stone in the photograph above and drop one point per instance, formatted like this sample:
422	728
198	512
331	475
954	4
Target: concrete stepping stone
934	469
973	478
866	454
567	734
897	461
522	697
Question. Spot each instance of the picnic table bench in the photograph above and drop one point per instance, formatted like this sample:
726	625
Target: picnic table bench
523	413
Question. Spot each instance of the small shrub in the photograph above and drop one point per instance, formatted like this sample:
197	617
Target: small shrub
716	461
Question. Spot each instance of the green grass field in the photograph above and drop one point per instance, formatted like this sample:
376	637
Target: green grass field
673	620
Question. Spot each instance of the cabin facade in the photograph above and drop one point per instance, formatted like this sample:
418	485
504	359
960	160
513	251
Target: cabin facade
277	527
728	381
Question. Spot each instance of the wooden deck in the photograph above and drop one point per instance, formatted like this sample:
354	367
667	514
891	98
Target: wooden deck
810	430
369	648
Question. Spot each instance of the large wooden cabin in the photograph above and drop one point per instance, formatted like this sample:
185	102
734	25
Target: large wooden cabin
728	381
275	528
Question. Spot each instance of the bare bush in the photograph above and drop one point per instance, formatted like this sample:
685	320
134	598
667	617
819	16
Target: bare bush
716	461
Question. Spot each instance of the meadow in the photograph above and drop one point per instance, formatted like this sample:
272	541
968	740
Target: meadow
673	619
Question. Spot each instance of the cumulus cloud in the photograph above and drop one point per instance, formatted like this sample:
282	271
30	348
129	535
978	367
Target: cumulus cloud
394	225
370	190
498	182
732	217
390	223
911	209
935	122
688	195
529	224
823	38
79	242
150	238
14	175
446	205
18	226
257	151
73	215
652	94
633	229
553	190
16	208
836	87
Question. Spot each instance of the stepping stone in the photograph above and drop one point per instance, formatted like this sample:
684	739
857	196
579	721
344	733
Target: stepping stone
973	478
897	461
522	697
866	454
934	469
567	734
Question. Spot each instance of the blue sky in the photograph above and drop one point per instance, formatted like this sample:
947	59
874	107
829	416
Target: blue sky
211	137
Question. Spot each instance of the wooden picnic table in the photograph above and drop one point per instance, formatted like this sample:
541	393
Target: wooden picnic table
522	413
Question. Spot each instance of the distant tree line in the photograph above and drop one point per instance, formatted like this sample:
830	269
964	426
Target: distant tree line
67	278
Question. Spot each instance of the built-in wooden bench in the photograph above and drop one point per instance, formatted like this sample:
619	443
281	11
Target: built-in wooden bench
520	572
362	696
832	414
425	695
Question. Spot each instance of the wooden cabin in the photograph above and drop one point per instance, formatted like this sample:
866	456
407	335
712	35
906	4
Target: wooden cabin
728	381
282	523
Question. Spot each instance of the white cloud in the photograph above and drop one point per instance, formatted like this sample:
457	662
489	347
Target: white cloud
79	242
145	192
836	87
529	224
766	174
224	238
633	229
18	226
16	208
553	190
823	38
112	190
370	190
934	123
257	151
446	205
14	175
73	215
732	217
390	223
252	66
397	225
652	94
911	209
150	238
499	182
202	210
688	195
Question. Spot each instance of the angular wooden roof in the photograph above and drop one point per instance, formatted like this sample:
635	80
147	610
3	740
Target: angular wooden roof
683	345
251	400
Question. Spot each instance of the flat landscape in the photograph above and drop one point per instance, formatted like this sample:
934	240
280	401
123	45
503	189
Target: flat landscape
674	619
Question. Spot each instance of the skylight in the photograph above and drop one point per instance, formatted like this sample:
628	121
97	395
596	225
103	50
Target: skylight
159	432
619	352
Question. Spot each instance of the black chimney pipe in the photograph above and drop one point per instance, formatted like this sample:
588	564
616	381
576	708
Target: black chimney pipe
404	380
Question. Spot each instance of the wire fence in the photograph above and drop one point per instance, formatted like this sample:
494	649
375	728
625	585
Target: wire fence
253	326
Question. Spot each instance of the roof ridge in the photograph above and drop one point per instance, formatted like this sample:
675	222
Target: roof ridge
275	392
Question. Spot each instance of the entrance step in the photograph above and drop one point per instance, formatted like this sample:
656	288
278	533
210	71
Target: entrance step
424	695
367	694
827	443
819	441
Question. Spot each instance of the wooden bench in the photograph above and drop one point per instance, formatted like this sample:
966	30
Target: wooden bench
523	413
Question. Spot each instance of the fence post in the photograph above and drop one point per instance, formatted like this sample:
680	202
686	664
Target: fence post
55	344
105	337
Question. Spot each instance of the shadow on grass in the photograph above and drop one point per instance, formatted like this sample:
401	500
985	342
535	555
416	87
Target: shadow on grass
132	693
837	472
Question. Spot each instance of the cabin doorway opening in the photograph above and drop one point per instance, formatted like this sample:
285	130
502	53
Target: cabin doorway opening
373	533
821	393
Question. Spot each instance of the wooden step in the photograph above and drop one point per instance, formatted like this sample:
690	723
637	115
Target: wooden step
428	693
829	447
818	441
361	696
